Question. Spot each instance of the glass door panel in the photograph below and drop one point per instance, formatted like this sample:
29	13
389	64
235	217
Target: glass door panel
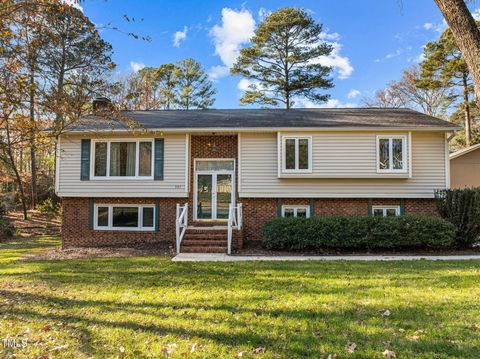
223	195
204	196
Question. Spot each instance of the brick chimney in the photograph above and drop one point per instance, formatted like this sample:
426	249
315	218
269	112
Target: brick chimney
102	105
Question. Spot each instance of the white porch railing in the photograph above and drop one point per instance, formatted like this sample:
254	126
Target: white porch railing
181	223
235	221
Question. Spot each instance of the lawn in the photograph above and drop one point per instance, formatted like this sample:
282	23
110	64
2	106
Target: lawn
150	306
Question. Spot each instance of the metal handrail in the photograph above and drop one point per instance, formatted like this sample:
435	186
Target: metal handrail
235	220
181	223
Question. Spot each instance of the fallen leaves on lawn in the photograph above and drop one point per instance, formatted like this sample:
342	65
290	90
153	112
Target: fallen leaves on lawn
59	347
332	356
240	355
350	347
259	350
193	347
386	313
413	338
168	349
46	328
389	354
121	349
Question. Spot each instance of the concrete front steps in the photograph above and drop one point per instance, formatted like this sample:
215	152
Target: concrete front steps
205	239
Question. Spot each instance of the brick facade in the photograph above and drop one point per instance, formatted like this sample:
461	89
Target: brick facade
215	147
257	211
76	230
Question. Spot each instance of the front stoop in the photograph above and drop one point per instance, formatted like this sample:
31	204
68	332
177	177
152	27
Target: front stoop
209	240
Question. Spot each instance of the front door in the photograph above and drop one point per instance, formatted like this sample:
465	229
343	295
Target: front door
214	189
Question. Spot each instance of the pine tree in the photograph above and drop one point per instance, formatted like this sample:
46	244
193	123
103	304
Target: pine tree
282	61
193	88
444	66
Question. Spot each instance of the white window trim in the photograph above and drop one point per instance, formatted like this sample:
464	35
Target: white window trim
110	226
385	208
137	158
284	154
404	154
295	209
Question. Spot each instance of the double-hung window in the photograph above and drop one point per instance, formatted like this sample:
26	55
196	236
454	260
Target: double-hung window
124	217
391	154
297	154
296	211
122	159
386	211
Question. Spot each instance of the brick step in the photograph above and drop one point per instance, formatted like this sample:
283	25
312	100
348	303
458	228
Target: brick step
208	224
204	249
204	242
205	235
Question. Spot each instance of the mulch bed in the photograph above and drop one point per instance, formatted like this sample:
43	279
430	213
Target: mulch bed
104	252
37	224
255	249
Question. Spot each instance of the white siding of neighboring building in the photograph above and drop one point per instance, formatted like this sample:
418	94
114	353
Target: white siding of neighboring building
173	185
344	165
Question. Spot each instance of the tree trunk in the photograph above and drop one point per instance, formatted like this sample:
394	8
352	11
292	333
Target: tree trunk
466	109
467	36
33	147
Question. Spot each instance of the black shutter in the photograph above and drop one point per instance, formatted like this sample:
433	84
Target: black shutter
158	162
91	209
370	209
312	207
85	160
157	214
279	207
402	207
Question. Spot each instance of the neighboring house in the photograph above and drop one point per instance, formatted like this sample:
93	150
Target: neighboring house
124	188
465	167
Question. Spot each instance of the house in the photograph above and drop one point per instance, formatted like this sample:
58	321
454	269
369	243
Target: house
465	167
208	180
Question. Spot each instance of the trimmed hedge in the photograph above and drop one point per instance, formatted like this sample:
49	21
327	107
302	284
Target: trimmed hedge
352	233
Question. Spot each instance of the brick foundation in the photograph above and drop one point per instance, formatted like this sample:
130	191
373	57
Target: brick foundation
76	230
257	211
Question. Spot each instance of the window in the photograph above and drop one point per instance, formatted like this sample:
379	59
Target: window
391	154
296	211
386	211
297	154
124	217
123	159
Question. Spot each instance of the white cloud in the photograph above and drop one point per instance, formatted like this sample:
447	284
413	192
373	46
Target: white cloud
428	26
325	35
236	29
390	55
136	66
73	3
339	63
263	13
476	14
243	84
331	103
353	93
180	36
217	72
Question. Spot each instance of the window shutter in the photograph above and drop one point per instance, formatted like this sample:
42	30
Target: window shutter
370	210
158	163
157	215
85	160
312	207
402	207
279	207
91	209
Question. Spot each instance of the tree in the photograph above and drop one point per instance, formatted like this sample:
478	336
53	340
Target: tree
406	93
283	60
466	34
193	88
166	82
444	67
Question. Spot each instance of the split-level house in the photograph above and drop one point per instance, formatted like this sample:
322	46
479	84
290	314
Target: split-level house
208	180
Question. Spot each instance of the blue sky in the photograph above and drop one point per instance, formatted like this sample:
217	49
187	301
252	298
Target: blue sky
373	40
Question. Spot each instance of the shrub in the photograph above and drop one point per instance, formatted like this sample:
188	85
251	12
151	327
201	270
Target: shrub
462	208
48	208
352	233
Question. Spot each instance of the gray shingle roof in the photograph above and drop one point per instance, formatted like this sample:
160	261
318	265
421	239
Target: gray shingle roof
269	118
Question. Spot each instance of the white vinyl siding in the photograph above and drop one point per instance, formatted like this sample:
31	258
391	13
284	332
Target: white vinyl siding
343	165
173	184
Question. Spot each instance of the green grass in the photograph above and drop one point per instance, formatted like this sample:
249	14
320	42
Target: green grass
143	306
